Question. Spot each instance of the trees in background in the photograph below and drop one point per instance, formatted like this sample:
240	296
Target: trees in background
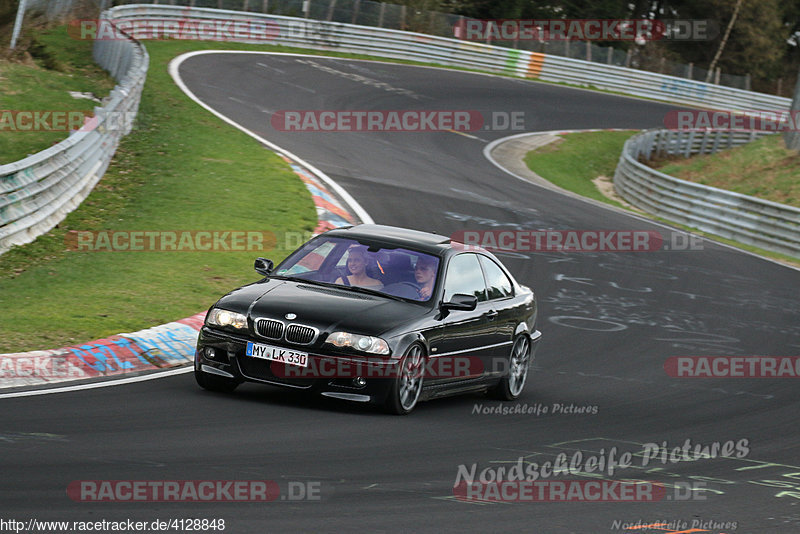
764	41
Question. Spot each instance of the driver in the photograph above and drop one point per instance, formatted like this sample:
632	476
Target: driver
425	275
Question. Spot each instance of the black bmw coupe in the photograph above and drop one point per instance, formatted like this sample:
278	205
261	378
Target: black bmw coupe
375	314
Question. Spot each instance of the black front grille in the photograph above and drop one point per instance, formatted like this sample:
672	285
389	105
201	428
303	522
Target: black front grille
269	328
302	335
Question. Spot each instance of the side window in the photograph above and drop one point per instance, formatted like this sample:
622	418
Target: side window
497	282
464	276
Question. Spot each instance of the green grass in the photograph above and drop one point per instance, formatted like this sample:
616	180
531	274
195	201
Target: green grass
763	169
180	169
581	157
59	65
577	160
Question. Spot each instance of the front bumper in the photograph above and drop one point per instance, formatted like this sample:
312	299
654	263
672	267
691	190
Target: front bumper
327	374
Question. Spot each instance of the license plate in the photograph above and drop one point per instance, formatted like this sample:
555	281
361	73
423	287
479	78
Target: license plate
277	354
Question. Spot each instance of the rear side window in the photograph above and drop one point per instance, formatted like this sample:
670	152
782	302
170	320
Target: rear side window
464	276
497	283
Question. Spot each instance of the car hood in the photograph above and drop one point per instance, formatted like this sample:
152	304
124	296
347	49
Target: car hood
325	308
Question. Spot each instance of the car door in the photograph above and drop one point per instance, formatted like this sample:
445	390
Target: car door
500	293
462	342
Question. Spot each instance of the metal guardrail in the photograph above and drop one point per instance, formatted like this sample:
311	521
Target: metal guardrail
324	35
36	193
657	86
746	219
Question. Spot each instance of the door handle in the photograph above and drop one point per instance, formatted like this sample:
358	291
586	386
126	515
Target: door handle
491	314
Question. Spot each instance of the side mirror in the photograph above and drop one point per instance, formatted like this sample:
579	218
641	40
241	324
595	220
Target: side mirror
461	302
263	266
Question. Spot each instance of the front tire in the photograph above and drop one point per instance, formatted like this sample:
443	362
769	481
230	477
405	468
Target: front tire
513	382
405	389
216	383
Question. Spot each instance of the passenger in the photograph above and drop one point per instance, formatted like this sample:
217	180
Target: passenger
357	266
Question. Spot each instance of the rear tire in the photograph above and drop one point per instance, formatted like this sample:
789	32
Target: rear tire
216	383
405	389
512	384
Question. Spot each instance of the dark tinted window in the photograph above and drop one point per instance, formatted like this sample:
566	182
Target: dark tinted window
497	283
464	276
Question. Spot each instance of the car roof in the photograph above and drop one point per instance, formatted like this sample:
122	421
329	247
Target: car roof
403	237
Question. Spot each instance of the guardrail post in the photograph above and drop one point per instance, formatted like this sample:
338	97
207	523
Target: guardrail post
717	139
18	23
381	14
704	143
792	138
356	6
331	7
688	150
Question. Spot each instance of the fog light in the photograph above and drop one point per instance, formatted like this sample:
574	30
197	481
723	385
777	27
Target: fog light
359	381
210	353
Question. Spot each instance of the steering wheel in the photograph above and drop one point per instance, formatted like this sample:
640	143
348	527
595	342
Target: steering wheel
397	285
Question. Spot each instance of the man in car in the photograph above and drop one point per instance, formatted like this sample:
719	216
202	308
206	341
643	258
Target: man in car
425	275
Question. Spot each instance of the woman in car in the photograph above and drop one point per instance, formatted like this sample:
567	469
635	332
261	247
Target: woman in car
357	265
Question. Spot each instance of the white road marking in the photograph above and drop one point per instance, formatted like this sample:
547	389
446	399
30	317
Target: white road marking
95	385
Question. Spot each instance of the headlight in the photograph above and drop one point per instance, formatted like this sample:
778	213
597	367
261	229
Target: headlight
220	317
374	345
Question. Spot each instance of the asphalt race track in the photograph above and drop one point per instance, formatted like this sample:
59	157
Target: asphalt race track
609	321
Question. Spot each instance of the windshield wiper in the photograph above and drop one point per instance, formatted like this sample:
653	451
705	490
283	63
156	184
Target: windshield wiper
369	291
305	280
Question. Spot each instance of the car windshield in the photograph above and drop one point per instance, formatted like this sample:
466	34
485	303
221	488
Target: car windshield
396	272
